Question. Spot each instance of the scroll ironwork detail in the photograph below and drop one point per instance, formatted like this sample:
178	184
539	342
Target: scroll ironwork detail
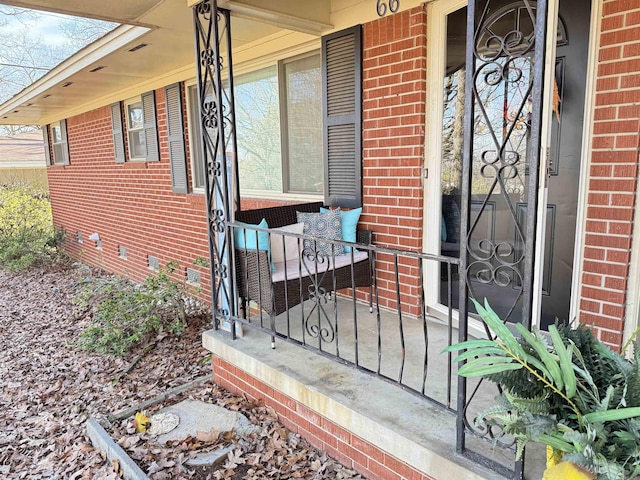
217	127
317	322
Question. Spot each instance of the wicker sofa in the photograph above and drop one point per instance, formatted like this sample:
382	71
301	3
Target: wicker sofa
276	292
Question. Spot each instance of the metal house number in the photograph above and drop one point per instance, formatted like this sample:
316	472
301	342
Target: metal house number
391	5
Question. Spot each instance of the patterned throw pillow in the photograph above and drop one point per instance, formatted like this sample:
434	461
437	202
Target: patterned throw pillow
322	225
348	223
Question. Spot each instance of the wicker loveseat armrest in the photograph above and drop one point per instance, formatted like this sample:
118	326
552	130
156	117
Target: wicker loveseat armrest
364	237
253	273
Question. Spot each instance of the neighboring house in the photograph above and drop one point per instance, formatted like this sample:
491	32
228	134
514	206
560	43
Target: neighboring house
22	158
121	121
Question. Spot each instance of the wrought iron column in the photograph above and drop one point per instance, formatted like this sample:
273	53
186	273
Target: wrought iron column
219	149
500	60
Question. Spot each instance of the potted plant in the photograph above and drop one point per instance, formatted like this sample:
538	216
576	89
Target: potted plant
566	390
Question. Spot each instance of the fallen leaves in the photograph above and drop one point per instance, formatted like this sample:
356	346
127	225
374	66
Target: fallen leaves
273	453
48	389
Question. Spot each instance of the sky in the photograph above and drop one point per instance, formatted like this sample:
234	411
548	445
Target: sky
46	25
31	41
37	24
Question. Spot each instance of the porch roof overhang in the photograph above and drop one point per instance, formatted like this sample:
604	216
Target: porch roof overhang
165	28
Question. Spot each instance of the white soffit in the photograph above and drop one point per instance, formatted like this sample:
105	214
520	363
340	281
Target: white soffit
119	11
167	48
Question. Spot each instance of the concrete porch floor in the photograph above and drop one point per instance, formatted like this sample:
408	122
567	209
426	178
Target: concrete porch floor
410	428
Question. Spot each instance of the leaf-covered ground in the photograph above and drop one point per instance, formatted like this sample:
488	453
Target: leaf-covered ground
49	388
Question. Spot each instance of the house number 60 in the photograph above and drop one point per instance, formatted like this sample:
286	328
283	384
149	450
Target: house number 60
381	7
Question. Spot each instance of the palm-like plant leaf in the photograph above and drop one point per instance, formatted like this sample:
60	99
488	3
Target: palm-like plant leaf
572	393
564	358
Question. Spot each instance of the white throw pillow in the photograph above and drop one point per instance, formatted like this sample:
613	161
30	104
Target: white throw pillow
290	243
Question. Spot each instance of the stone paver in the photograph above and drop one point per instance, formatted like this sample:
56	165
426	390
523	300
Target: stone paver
196	416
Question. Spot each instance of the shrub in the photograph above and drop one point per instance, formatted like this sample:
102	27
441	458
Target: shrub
27	235
126	314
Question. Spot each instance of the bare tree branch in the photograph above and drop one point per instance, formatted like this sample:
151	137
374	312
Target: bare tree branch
26	55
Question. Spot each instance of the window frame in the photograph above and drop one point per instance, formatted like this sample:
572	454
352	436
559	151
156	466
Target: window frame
59	153
279	63
284	123
56	159
127	103
193	128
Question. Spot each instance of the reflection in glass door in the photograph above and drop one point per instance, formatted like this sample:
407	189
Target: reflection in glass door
501	132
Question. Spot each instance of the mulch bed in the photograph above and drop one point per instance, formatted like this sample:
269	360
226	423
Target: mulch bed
49	388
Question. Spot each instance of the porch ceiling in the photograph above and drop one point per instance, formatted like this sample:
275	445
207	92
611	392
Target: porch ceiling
166	27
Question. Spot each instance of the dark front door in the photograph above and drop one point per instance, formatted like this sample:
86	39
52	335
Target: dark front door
501	135
565	155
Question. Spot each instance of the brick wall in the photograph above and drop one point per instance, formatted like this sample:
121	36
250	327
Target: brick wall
132	204
129	204
613	172
394	96
349	449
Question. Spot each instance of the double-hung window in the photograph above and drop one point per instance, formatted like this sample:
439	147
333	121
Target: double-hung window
55	135
56	142
135	129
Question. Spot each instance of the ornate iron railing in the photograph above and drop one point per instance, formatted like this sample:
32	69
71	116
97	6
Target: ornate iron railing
219	147
343	307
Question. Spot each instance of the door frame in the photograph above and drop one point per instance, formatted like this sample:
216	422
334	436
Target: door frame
587	133
437	12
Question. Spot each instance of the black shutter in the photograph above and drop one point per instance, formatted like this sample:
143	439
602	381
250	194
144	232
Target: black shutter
47	151
150	130
64	147
175	131
117	132
342	109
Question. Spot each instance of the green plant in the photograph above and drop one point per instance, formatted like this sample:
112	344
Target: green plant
27	235
200	261
568	391
126	314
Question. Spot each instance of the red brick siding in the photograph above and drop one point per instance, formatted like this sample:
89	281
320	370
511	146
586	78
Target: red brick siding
613	174
394	97
130	204
322	433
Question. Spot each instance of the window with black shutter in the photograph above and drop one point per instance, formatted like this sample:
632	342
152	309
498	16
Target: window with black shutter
141	123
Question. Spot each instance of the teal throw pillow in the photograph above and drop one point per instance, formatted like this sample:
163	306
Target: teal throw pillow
348	223
253	240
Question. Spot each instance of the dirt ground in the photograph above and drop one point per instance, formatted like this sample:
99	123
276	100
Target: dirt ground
49	388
